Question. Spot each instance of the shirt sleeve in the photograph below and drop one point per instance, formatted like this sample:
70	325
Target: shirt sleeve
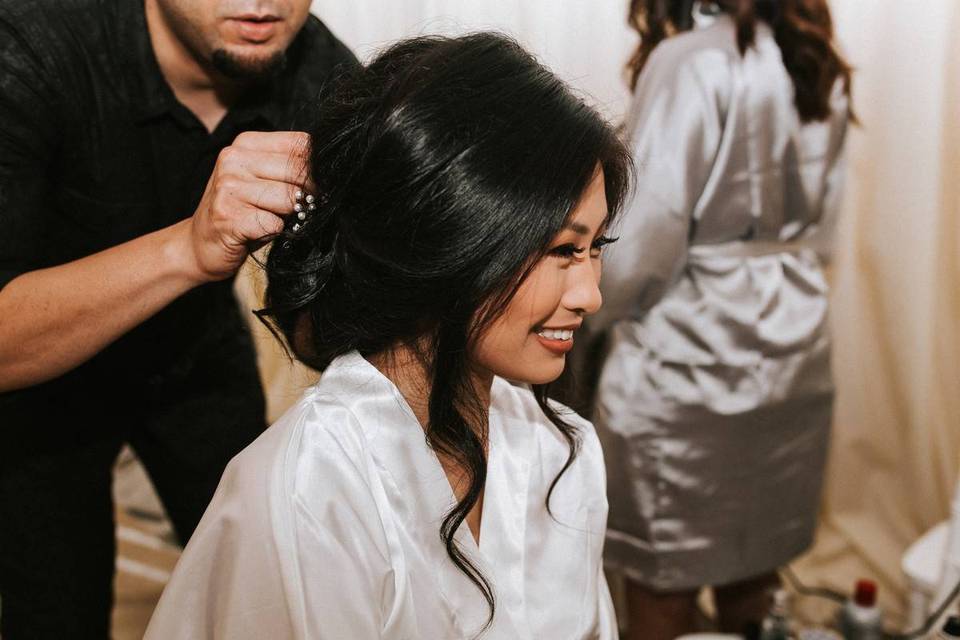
28	141
675	128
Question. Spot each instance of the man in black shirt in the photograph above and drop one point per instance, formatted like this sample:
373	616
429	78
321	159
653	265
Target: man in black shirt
127	203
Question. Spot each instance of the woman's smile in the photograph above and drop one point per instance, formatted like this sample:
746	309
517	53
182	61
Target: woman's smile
557	340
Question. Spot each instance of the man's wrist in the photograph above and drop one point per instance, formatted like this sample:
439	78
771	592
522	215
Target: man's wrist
179	256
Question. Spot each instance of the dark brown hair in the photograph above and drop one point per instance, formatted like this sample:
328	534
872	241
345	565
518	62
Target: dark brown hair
803	30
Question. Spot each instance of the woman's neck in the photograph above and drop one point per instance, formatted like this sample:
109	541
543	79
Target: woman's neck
410	376
408	371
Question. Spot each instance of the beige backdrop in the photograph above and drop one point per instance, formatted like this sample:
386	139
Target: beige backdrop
896	446
896	443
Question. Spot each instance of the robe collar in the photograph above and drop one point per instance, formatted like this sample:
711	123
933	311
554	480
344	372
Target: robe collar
399	447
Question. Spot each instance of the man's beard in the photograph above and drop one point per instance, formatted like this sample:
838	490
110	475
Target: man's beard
248	70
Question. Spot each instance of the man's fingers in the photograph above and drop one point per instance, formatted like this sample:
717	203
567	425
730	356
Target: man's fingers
310	186
270	195
259	226
266	165
290	142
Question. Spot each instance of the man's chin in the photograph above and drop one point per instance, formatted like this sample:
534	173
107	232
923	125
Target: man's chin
248	67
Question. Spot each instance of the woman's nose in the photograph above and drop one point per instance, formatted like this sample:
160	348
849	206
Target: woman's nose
583	288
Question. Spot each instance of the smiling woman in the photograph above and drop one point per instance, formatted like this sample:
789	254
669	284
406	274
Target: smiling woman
453	243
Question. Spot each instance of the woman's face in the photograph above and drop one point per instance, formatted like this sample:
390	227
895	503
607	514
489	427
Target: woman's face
529	341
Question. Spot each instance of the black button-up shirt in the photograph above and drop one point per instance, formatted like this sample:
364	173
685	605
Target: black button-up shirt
95	150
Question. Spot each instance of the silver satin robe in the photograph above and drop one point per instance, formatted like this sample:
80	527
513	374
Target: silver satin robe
714	401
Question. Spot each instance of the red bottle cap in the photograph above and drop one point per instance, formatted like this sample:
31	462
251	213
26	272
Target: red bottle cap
865	593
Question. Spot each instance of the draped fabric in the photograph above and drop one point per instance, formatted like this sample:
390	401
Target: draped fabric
585	42
896	444
896	279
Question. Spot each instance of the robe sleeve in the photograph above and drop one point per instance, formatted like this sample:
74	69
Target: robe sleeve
291	547
823	237
346	576
675	128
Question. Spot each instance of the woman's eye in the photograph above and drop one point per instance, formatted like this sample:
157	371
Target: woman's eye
566	251
571	250
596	249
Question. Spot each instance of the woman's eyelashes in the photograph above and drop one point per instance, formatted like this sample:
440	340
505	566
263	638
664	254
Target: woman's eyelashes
570	250
600	243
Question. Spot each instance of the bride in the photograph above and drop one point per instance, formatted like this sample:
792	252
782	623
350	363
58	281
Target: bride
463	197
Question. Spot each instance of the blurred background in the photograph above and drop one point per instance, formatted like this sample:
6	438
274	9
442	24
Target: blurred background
895	452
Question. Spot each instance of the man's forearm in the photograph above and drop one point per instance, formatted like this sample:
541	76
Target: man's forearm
52	320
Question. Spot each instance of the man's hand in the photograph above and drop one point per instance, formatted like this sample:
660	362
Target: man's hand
252	186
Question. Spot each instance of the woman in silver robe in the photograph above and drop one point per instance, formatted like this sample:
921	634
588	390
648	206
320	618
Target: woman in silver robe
714	400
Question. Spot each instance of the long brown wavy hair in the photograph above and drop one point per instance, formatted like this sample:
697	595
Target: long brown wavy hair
803	30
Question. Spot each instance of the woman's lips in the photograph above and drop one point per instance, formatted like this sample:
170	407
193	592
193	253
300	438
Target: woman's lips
256	30
558	347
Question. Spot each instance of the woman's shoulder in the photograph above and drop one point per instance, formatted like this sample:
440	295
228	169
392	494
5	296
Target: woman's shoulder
707	55
278	520
714	42
326	435
310	471
317	436
326	420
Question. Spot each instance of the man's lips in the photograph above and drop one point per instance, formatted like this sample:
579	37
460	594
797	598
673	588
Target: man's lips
256	29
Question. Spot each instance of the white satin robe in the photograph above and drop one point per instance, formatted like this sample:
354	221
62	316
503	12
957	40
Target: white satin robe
714	402
327	528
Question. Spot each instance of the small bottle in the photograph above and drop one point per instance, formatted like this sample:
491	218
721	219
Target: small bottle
860	616
950	629
776	626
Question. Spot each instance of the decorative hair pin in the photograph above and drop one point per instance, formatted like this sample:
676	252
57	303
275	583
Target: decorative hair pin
305	203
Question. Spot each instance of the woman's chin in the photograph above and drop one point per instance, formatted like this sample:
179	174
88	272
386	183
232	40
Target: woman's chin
544	373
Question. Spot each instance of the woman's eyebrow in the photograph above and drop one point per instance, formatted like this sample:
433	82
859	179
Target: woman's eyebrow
577	228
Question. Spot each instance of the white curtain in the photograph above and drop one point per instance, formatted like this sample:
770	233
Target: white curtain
586	42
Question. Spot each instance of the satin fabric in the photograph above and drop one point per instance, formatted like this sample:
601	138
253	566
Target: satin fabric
714	402
327	527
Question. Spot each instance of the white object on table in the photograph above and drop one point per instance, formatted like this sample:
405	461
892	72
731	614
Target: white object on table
932	566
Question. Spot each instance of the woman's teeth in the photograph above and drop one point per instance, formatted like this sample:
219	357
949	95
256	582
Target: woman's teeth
556	334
